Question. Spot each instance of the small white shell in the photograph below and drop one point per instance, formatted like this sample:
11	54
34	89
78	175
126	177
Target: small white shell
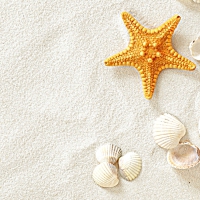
196	1
168	131
184	156
195	48
130	166
108	153
105	175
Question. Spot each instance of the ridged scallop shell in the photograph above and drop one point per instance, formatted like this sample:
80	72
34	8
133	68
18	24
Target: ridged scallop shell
168	131
184	156
105	175
196	1
195	48
108	153
130	166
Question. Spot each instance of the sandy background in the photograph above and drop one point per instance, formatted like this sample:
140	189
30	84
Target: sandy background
58	101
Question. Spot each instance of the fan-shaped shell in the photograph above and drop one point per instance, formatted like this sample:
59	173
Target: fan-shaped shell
108	153
195	48
130	166
105	175
168	131
184	156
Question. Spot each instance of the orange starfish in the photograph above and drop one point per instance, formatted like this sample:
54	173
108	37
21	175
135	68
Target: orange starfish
150	51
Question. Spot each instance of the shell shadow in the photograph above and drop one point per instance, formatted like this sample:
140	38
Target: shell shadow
191	176
115	190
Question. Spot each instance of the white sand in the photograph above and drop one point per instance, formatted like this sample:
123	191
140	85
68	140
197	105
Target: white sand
59	102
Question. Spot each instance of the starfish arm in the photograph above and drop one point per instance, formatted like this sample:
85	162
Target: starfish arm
148	87
149	77
174	60
150	74
123	58
133	26
168	28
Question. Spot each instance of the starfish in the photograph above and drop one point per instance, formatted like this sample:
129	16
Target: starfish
150	51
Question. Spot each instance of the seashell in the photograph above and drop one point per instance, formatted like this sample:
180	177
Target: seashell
184	156
195	48
108	153
196	1
105	175
168	131
130	166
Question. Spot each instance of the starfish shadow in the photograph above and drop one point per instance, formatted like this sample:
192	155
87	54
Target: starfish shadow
124	71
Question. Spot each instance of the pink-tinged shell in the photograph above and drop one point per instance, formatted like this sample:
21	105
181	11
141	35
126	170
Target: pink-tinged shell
184	156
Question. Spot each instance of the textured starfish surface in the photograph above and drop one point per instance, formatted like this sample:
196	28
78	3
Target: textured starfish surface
150	51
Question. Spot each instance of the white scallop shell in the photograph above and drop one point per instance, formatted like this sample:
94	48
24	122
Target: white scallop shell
195	48
130	166
168	131
196	1
105	175
184	156
108	153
